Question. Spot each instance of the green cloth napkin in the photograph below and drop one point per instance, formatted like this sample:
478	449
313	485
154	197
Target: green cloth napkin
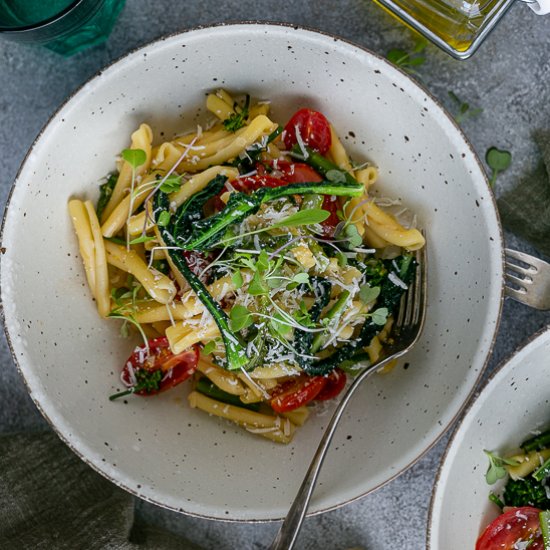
51	500
525	210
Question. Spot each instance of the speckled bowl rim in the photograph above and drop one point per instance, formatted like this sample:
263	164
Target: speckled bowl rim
414	83
503	365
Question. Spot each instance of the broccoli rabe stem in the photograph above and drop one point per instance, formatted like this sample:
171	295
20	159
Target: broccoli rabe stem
235	352
206	232
537	443
322	164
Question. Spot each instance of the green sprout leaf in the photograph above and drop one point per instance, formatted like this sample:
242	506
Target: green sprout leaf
238	118
368	293
240	318
142	239
498	161
380	316
298	279
237	279
171	184
342	259
262	263
303	217
280	325
496	469
301	278
134	157
303	317
258	286
209	347
164	218
336	176
353	236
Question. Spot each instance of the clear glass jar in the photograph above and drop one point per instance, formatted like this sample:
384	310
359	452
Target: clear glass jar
65	26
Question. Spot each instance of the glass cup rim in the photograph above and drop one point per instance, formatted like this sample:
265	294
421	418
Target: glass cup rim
42	24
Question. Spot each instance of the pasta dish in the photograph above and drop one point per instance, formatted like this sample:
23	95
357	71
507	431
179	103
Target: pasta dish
251	258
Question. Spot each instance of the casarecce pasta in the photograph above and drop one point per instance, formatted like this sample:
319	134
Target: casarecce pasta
251	258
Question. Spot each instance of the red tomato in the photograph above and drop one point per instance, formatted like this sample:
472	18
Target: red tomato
294	172
252	183
313	128
175	368
295	393
330	204
336	381
515	525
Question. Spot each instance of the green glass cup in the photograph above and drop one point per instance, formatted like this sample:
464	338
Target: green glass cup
64	26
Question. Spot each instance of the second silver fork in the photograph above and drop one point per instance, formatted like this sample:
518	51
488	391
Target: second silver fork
527	279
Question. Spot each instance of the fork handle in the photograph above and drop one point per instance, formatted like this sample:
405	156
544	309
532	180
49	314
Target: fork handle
288	532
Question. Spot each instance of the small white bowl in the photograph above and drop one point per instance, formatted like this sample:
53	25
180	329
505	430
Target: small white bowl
515	402
160	449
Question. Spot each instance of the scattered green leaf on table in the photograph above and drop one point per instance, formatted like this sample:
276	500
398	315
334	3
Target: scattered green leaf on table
498	160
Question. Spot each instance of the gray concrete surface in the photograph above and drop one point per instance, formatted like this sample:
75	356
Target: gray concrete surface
509	78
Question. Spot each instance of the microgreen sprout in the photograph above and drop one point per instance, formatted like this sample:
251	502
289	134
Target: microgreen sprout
237	279
240	318
164	218
498	161
142	239
210	346
125	300
135	158
496	469
464	110
349	233
147	381
379	316
171	184
368	293
238	119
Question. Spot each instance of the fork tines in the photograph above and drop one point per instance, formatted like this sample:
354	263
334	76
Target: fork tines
527	279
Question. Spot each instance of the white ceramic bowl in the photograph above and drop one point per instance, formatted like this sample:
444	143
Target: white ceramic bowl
158	448
514	402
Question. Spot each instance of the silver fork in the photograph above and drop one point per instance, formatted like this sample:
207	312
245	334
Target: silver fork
527	279
406	331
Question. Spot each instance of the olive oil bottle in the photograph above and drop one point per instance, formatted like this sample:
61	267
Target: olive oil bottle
457	26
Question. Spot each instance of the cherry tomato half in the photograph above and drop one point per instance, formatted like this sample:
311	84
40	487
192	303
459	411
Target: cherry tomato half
515	525
335	383
295	393
294	172
174	368
313	128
